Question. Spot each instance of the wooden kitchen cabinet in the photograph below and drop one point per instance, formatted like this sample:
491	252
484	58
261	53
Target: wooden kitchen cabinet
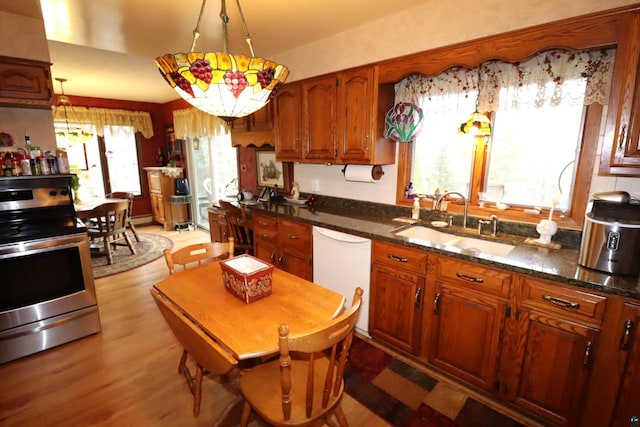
284	243
550	348
466	309
397	291
217	225
621	144
161	188
25	83
256	129
628	403
336	118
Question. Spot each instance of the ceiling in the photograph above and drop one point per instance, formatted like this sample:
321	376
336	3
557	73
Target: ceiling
106	48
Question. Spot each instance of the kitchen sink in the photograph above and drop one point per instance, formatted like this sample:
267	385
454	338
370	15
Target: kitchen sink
469	245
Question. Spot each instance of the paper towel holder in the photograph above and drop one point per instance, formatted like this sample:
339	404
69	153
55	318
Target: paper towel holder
376	171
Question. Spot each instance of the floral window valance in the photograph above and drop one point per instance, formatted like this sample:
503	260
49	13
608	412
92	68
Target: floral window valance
100	118
191	122
551	78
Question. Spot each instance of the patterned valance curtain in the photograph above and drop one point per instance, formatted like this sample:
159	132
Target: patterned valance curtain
192	123
101	118
551	78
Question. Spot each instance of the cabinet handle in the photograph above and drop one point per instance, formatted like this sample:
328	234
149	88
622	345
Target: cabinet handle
263	223
293	236
436	304
623	133
418	297
561	302
273	257
397	258
470	278
587	355
281	260
625	339
265	235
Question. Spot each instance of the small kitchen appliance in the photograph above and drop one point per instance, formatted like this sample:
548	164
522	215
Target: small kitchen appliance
611	234
181	186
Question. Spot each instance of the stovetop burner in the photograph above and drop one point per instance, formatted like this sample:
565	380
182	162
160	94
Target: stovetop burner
36	208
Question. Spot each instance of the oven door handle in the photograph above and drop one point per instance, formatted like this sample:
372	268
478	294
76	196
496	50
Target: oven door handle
43	325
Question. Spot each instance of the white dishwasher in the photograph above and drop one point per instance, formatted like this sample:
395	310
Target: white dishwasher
342	262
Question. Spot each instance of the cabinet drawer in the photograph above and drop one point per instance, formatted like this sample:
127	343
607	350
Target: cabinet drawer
400	257
556	298
475	276
265	227
294	235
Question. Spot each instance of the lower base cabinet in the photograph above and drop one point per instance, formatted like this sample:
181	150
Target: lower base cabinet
564	355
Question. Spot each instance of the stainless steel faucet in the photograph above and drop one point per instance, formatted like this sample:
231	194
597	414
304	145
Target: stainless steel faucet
436	205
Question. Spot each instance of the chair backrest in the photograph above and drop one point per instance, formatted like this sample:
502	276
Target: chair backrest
109	218
198	253
207	353
238	226
123	195
326	348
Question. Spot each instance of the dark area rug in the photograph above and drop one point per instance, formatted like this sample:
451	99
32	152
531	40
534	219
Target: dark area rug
405	396
148	249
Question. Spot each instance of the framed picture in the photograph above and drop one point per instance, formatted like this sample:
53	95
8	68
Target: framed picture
270	172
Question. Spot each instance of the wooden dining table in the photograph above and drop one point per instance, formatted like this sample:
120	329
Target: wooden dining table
248	331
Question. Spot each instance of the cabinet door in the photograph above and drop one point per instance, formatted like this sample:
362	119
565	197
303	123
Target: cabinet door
295	262
262	119
355	133
621	146
287	122
157	208
266	250
396	307
319	119
294	242
465	333
628	397
554	362
25	83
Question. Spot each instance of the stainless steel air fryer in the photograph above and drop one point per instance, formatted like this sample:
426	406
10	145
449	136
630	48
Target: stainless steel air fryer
611	234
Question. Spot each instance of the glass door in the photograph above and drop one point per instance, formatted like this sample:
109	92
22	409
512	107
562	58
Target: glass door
213	173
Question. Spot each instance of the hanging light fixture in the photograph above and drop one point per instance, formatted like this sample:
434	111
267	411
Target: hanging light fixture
477	124
225	85
63	113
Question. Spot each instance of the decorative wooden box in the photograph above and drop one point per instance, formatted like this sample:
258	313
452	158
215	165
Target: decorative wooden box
247	277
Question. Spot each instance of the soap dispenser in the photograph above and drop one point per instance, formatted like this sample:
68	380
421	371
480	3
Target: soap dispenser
415	210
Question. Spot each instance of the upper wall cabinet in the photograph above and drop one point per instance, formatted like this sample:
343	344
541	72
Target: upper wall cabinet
621	146
255	129
334	119
25	83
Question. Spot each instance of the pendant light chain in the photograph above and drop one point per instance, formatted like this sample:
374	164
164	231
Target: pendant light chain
247	36
196	31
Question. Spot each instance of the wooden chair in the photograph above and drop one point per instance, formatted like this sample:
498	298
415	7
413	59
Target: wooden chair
238	227
210	357
197	254
109	224
129	196
305	389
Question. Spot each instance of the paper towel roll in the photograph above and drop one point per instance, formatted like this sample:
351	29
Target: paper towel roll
363	173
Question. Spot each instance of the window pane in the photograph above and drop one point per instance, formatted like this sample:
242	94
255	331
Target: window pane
122	159
442	158
533	154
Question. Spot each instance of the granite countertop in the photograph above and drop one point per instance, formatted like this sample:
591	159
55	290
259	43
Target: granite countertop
553	264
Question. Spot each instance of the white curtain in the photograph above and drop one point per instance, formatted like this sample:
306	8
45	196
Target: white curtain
101	118
550	78
191	122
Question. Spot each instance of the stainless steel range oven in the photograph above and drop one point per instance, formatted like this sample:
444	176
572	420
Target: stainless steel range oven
47	293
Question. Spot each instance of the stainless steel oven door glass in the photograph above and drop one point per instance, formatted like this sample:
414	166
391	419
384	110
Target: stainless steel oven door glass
47	294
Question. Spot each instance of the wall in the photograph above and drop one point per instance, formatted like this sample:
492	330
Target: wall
421	28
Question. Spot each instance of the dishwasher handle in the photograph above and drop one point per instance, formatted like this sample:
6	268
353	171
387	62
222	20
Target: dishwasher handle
338	236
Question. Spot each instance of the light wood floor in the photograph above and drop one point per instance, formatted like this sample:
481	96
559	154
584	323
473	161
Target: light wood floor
127	374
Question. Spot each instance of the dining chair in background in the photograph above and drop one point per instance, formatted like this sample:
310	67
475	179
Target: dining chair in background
198	253
238	227
305	385
209	356
108	224
129	196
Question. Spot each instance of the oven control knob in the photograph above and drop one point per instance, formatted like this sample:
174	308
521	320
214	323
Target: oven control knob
64	193
53	193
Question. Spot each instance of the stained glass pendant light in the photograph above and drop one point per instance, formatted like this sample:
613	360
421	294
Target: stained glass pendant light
63	113
477	124
225	85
